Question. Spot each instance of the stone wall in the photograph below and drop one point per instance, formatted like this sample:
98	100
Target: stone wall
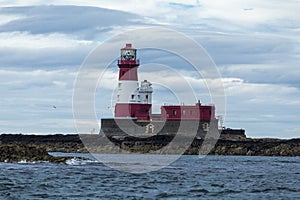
121	127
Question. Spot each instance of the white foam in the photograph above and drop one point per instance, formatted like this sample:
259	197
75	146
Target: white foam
79	161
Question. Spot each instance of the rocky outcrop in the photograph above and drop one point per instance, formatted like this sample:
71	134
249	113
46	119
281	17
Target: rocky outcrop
28	153
254	147
57	142
41	144
244	147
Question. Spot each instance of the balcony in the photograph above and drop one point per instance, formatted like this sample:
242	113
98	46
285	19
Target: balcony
128	62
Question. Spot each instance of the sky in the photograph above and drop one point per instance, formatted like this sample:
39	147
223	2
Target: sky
254	44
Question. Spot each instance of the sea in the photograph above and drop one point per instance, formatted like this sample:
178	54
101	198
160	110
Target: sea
188	177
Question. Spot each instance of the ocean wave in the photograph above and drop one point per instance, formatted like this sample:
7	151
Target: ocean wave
31	162
80	161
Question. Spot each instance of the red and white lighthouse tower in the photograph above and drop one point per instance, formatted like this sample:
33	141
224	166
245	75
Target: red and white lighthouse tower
132	101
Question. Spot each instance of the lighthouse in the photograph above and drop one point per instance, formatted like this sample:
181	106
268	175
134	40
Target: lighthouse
133	100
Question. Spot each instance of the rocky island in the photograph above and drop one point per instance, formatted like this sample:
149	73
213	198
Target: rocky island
28	153
18	147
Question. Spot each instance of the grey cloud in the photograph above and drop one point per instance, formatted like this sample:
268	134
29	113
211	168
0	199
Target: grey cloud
46	58
246	48
286	73
84	23
67	19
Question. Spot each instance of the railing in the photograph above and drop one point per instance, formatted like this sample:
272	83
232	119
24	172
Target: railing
129	62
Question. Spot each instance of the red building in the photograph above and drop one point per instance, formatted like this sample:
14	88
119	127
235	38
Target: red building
190	112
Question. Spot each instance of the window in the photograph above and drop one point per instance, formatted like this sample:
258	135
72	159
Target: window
123	72
191	112
146	96
174	112
132	96
183	112
120	84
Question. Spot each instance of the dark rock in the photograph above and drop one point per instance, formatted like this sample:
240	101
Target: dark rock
30	146
28	153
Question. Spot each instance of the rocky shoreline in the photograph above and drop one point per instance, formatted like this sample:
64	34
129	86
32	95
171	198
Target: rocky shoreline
35	148
18	147
27	153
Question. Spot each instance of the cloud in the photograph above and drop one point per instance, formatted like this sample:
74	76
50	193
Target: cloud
232	15
39	41
277	73
8	18
262	109
81	21
21	49
28	99
181	5
44	36
235	48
